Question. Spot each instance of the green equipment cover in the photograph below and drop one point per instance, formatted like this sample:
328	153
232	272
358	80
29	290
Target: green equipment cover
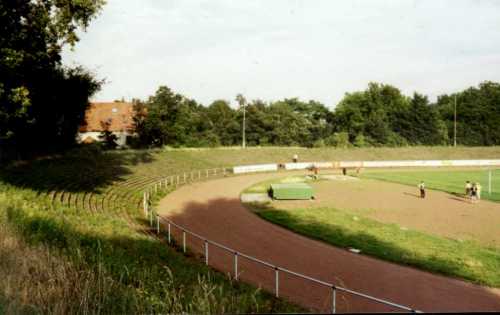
291	191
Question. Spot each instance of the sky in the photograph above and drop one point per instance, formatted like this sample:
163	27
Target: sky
275	49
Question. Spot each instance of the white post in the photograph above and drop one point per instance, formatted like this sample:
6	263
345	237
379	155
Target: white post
489	182
334	300
199	174
184	241
178	180
169	239
184	178
207	173
146	204
235	265
277	281
151	218
157	224
224	171
206	253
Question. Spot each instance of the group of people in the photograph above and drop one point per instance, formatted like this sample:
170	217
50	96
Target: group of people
472	191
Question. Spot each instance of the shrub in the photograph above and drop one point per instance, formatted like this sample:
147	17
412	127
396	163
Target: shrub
339	140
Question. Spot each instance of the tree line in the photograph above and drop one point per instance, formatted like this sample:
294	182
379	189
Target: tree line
378	116
43	102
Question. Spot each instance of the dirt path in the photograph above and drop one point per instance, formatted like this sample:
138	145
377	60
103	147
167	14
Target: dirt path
213	210
439	214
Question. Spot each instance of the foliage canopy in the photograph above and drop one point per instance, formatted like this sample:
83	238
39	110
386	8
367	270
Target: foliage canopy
42	103
379	116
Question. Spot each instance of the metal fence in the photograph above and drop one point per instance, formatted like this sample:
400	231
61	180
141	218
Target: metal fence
156	220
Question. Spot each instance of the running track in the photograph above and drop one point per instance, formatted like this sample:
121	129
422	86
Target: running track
213	210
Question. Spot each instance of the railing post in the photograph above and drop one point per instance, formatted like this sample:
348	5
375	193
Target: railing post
199	174
157	224
206	252
144	202
184	178
178	180
235	265
184	241
207	172
277	281
334	300
169	239
224	171
151	218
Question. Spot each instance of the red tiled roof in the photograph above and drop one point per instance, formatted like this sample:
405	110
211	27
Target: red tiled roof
119	115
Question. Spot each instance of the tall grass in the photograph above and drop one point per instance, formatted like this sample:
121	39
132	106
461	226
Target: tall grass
66	262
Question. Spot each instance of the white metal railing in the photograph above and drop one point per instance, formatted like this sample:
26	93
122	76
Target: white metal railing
334	288
176	180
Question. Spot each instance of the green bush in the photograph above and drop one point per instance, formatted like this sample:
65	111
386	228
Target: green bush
319	143
360	141
339	140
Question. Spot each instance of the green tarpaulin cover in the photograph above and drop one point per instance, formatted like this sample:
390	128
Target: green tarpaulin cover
291	191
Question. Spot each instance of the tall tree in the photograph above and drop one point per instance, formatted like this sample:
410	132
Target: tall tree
478	114
168	118
421	123
41	102
224	123
374	113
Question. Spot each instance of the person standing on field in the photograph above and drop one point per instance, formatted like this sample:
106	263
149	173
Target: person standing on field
421	186
468	187
473	193
478	191
295	158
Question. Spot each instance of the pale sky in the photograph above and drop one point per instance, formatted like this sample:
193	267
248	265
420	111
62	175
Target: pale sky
272	49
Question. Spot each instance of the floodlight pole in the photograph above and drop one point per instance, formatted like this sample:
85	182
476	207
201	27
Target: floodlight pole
244	125
455	123
242	102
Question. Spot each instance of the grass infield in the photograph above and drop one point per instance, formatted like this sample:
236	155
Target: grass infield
448	180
